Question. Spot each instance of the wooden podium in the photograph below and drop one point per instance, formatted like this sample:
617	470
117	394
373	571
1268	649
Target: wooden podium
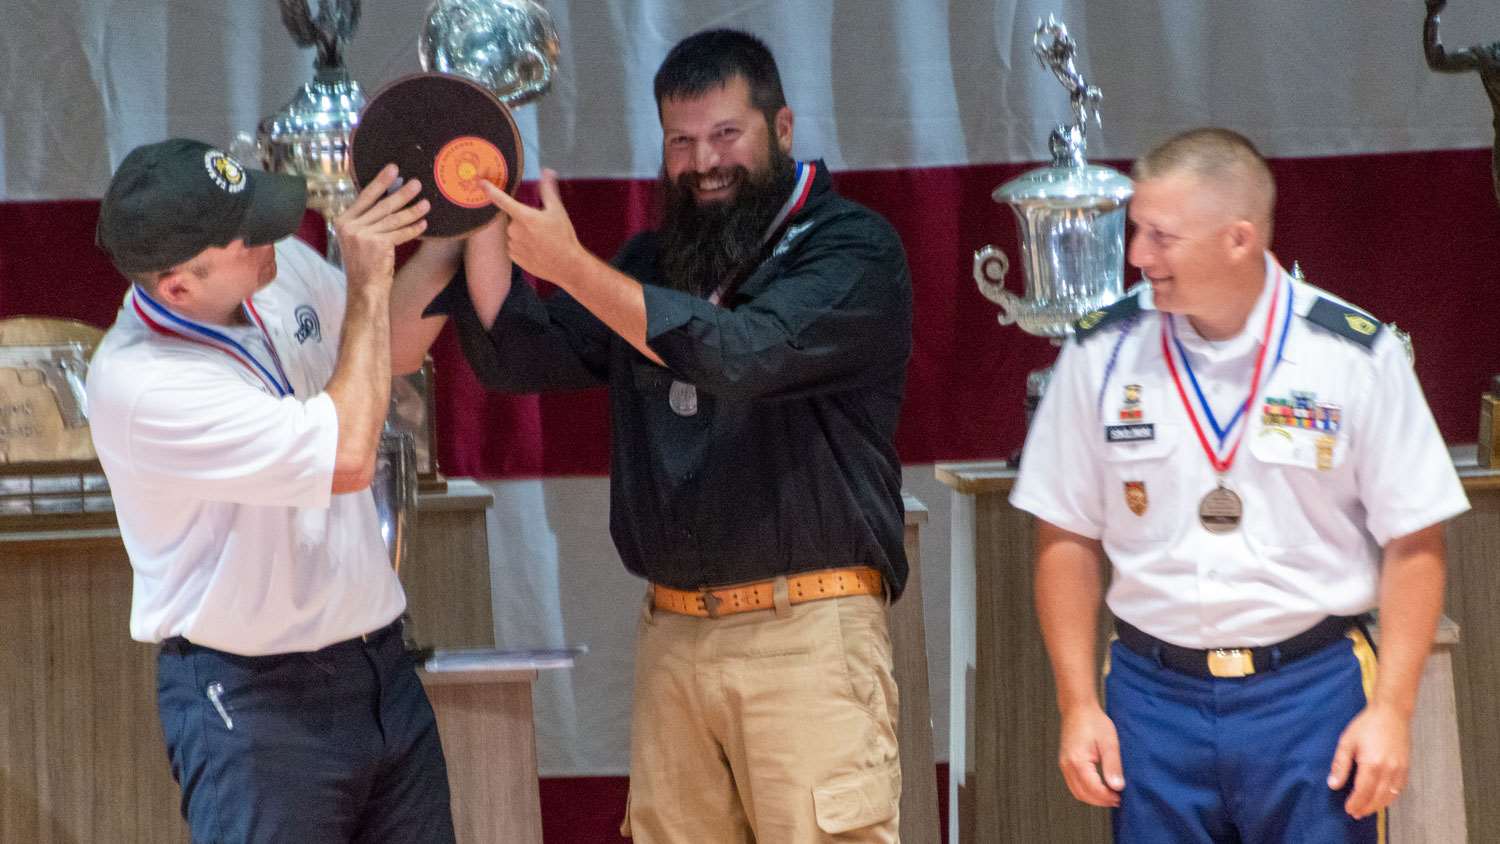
1005	785
81	752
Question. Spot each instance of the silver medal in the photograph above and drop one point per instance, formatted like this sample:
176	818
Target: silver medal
683	398
1220	510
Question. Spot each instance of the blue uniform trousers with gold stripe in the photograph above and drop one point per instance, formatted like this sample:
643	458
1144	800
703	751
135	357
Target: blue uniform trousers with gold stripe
1238	759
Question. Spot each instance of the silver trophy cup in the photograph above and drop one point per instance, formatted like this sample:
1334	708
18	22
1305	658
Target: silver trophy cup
508	46
1071	216
309	136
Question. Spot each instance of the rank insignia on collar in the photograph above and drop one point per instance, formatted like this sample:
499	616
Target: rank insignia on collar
1135	497
1131	410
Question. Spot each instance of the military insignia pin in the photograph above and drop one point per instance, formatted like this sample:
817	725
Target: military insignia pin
1325	452
1135	497
1131	410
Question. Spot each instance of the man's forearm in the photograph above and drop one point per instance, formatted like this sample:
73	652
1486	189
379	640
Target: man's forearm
1068	590
614	297
361	384
1411	602
420	279
487	270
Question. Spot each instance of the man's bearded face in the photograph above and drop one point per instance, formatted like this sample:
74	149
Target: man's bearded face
705	242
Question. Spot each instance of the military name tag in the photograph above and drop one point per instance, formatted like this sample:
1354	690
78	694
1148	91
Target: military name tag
1139	432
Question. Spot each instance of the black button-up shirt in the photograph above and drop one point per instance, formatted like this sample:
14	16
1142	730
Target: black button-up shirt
788	464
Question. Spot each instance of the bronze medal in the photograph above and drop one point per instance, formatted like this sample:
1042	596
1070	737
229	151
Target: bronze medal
1220	510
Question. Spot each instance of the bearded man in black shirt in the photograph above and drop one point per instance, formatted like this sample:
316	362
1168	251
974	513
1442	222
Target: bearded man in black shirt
755	349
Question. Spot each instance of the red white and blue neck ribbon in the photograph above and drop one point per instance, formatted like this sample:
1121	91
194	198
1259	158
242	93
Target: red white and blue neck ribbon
1198	413
167	322
801	190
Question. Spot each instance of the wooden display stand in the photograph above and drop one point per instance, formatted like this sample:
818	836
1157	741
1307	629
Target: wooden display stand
919	806
1005	785
81	752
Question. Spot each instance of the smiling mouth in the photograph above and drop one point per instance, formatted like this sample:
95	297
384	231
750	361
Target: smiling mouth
714	182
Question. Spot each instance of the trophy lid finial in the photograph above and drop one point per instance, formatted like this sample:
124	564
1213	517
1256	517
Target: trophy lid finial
330	31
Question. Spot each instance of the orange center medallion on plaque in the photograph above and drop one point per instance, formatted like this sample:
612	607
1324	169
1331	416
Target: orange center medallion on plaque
462	164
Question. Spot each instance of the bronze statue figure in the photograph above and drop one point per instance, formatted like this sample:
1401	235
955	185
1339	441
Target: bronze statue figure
1484	58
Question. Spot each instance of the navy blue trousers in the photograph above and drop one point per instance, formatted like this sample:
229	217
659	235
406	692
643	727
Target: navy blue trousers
1237	760
335	745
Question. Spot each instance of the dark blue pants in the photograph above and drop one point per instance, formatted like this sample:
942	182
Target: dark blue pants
1237	760
336	745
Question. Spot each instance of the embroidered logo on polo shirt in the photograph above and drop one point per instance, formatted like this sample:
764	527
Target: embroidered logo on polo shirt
225	171
307	324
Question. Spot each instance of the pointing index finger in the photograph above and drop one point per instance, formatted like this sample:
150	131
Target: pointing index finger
504	201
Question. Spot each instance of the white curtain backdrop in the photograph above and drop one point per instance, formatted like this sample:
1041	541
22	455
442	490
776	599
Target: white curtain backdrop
874	83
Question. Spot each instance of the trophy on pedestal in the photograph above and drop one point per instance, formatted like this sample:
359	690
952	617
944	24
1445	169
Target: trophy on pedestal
309	136
1071	216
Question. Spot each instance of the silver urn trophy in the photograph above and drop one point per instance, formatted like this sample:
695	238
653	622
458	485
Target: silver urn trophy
1071	216
309	136
508	46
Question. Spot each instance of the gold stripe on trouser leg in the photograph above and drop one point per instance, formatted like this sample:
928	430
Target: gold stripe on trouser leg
1368	668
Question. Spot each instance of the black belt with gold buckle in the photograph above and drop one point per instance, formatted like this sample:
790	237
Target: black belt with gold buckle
1234	662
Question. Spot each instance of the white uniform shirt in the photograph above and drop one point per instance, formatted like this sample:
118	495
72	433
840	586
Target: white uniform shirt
1319	501
223	490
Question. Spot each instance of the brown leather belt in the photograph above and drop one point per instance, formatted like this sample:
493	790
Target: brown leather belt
713	602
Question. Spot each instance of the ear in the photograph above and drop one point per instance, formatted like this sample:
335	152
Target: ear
783	129
175	287
1241	240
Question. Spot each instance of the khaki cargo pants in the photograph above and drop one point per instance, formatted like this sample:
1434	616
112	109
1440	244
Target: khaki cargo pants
774	726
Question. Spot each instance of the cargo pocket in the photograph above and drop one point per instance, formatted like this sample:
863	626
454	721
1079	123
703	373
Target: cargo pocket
859	800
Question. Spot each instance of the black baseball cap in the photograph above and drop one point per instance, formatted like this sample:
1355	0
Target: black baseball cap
171	200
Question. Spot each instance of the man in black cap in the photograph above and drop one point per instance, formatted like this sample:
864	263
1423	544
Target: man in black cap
236	407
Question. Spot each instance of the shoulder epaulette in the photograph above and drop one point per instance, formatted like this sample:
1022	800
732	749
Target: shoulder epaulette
1347	321
1093	322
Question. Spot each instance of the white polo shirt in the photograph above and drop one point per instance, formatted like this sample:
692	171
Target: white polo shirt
1341	455
223	490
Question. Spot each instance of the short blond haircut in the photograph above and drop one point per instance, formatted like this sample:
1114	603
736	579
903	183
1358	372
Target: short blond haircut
1223	159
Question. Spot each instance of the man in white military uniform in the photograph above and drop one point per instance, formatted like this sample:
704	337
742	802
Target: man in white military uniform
236	406
1256	461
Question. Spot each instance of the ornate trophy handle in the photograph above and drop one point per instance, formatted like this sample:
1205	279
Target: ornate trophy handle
538	58
990	267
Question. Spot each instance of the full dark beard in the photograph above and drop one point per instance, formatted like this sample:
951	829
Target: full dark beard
705	246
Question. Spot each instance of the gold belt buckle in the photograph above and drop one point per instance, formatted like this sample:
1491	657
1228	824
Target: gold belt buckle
1231	662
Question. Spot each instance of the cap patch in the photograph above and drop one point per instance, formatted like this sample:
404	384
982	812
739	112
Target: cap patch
225	171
